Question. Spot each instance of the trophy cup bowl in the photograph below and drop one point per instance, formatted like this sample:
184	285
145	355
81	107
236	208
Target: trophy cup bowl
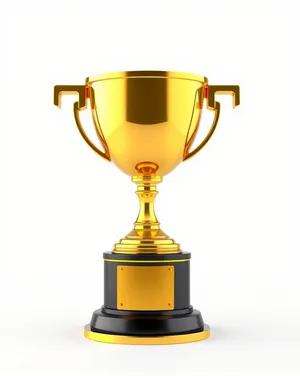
146	122
155	116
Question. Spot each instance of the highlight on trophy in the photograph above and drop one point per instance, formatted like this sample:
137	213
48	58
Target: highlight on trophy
146	123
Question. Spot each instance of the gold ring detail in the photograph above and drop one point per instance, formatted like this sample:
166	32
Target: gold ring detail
131	340
147	261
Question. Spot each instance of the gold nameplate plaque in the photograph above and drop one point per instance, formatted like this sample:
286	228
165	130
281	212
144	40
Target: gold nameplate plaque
145	288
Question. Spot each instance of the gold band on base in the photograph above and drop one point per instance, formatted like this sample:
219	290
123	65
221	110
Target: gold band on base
161	340
147	261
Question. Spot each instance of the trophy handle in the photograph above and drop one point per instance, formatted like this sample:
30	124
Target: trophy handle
234	90
60	90
212	104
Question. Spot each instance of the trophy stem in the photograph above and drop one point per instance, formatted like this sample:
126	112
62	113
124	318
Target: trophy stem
146	236
146	223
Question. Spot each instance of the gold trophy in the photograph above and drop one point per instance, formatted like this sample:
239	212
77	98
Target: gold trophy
146	122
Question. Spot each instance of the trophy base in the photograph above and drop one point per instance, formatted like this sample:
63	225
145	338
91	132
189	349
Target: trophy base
146	328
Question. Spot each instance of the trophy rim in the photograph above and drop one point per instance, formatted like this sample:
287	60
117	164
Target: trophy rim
146	74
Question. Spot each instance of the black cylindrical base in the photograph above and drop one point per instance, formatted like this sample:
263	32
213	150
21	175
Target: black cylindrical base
147	299
113	279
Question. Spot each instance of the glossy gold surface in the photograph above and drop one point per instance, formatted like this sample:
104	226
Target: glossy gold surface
141	74
146	122
145	288
163	340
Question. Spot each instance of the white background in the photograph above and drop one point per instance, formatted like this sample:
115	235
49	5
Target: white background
234	206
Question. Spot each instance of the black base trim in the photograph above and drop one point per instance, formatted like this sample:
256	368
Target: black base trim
147	324
117	312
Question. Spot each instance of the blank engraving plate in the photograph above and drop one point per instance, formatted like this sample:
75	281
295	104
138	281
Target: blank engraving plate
145	288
